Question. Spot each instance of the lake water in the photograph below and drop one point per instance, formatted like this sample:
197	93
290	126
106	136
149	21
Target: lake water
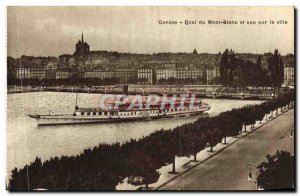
25	140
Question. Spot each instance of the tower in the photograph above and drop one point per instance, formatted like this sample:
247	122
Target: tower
82	37
82	45
82	48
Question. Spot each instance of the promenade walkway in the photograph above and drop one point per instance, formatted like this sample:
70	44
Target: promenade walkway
228	170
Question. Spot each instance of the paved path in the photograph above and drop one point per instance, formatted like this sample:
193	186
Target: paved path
229	169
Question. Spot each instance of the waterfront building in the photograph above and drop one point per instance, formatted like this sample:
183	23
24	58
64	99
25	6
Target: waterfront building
145	76
50	71
289	76
102	74
165	74
37	72
186	72
77	73
289	69
22	72
26	71
125	75
63	74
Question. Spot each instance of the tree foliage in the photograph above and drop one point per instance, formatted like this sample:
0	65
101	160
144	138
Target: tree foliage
278	172
235	71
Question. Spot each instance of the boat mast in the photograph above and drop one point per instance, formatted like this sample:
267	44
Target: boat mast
76	99
76	106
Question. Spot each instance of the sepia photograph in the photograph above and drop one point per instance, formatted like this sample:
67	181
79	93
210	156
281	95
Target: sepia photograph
150	98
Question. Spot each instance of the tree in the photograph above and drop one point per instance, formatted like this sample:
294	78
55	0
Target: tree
193	140
18	182
244	116
233	67
146	177
266	108
259	113
236	71
142	167
278	172
274	68
230	125
174	145
224	67
281	72
258	73
214	133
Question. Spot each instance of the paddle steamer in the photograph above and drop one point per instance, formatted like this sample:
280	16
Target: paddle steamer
122	113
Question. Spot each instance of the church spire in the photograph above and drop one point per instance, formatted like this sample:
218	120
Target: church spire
82	37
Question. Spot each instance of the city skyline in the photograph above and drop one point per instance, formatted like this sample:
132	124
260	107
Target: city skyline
52	31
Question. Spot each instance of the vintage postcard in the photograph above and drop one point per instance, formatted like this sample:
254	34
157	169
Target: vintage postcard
150	98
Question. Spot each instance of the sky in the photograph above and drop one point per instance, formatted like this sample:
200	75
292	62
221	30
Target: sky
52	31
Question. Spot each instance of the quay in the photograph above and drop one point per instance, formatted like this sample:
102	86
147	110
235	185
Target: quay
229	169
201	91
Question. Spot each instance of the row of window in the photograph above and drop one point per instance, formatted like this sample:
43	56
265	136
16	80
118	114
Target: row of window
132	113
95	113
144	75
173	110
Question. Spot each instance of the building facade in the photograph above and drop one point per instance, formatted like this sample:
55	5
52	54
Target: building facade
165	74
289	76
22	72
29	72
186	72
63	74
125	75
37	72
145	76
50	71
99	74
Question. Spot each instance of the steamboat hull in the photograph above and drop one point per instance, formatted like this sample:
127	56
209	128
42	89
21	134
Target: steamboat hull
44	120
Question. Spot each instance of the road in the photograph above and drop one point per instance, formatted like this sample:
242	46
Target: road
229	170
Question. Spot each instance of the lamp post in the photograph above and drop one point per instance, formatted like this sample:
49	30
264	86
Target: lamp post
256	182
